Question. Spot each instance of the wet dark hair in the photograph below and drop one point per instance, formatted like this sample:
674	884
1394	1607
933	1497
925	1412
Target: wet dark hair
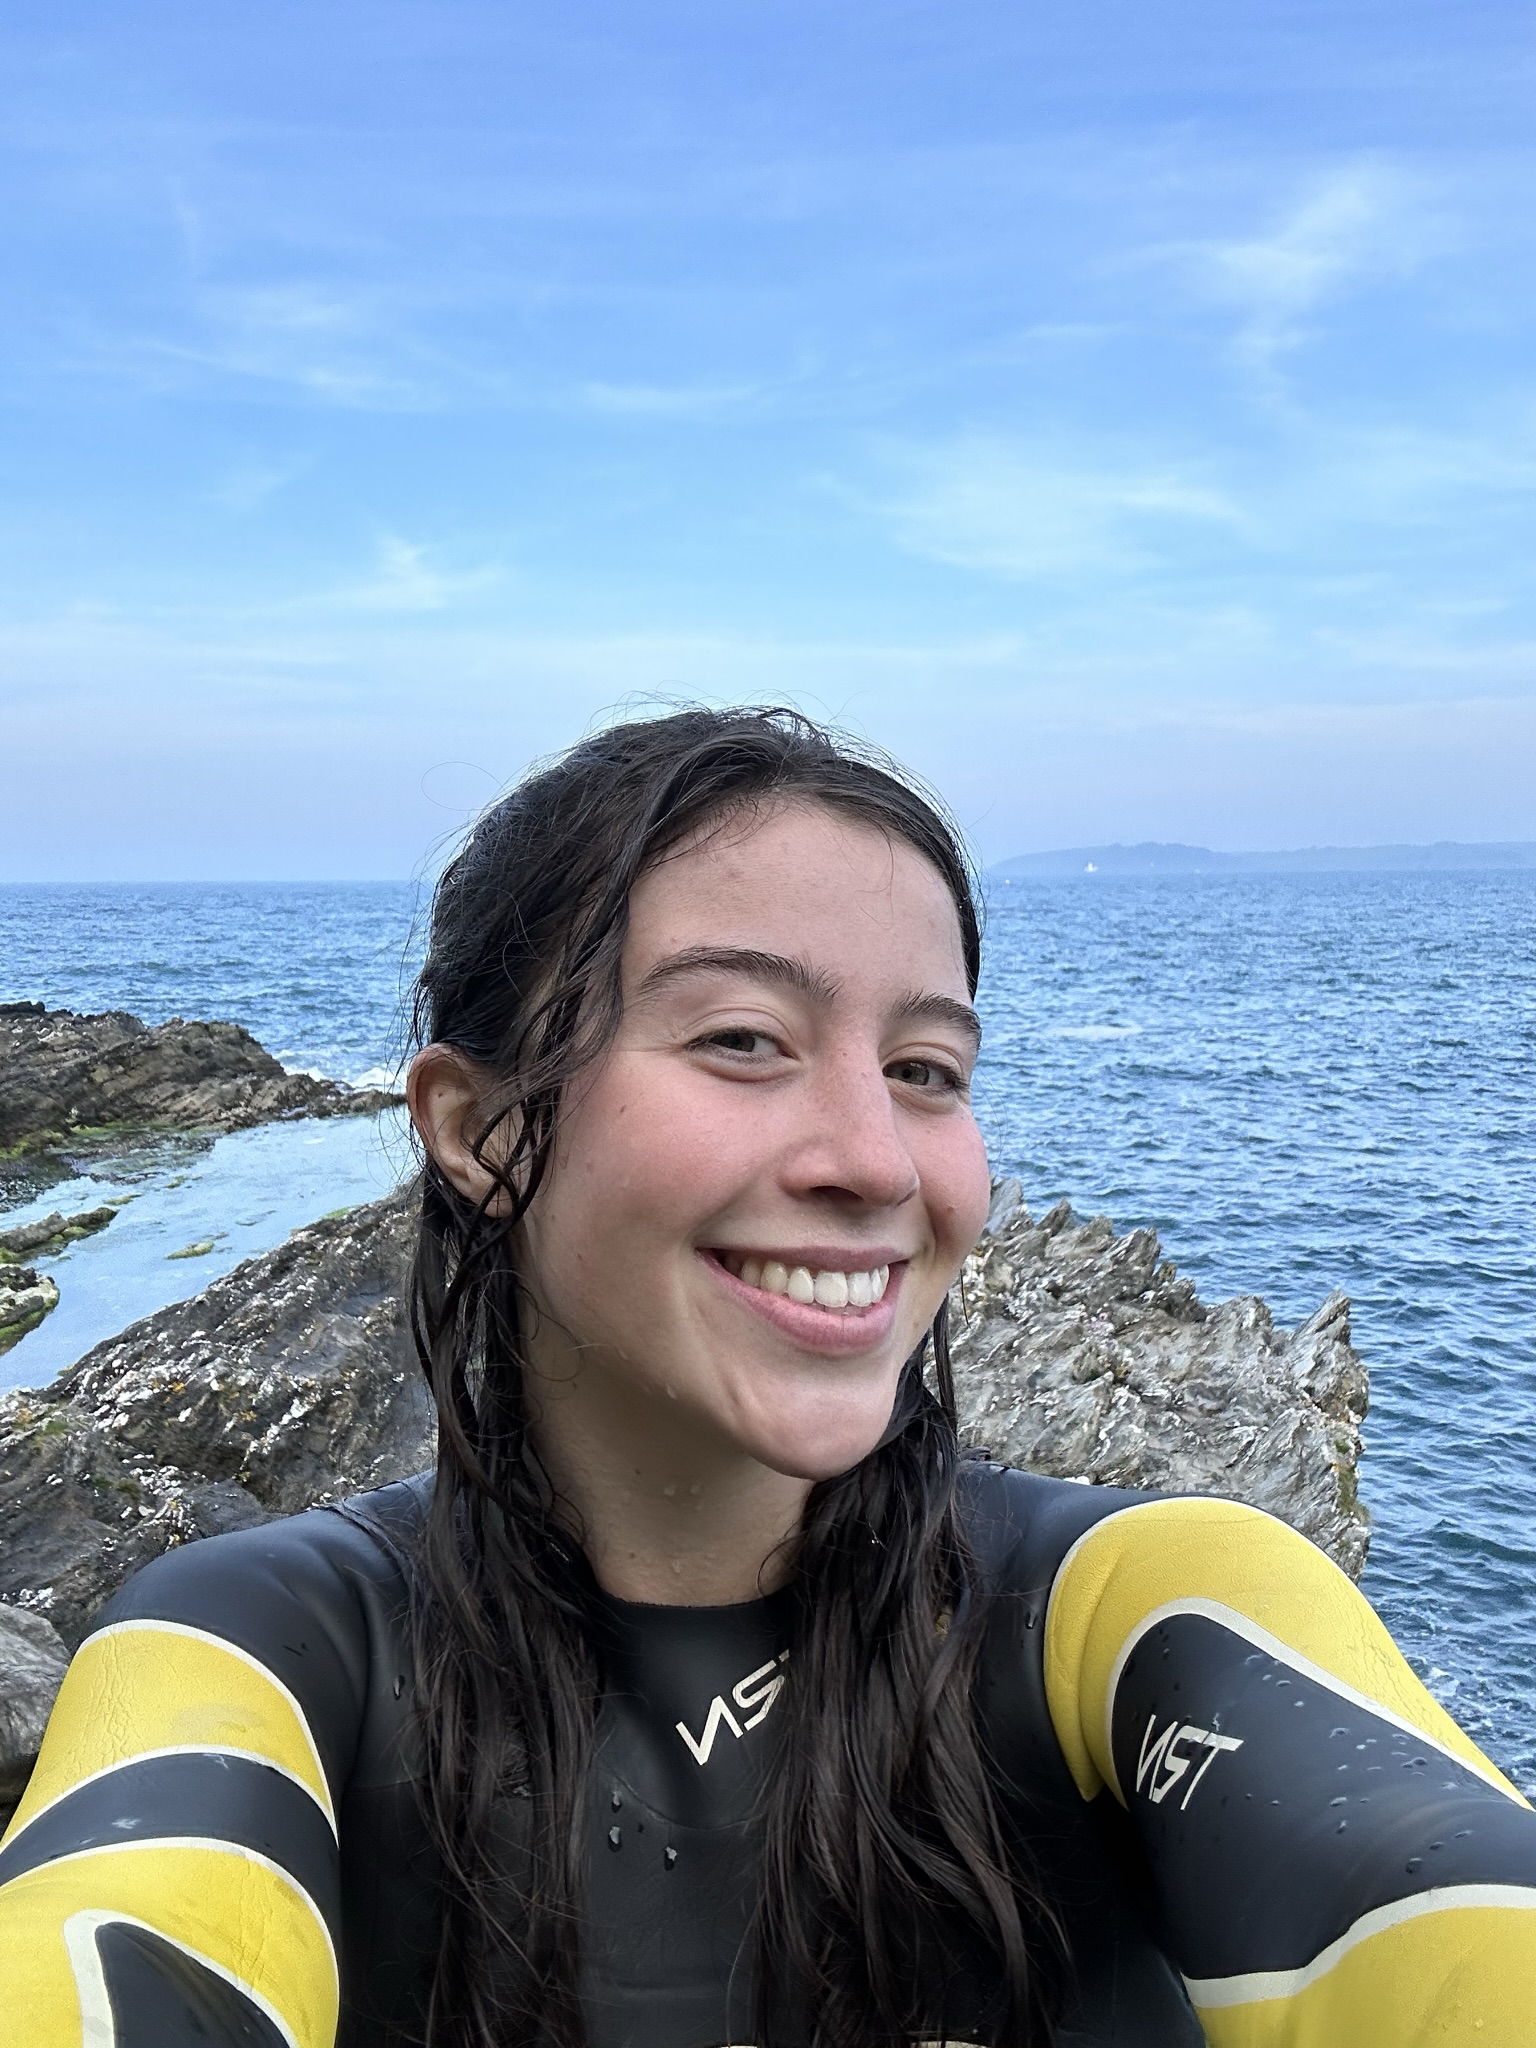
880	1824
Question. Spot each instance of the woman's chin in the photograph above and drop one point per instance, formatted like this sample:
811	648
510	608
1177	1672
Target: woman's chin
817	1447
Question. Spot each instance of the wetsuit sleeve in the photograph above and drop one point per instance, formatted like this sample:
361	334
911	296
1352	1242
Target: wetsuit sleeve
171	1875
1334	1861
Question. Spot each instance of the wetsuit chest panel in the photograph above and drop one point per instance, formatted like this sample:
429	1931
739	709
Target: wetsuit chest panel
686	1742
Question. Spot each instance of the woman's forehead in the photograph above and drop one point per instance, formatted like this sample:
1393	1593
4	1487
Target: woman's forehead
799	878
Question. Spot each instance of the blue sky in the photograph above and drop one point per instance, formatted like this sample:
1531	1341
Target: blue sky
1126	414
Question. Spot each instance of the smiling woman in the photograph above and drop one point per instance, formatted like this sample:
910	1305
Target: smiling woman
706	1692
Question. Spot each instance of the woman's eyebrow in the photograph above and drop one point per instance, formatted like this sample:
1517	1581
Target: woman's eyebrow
743	960
937	1009
780	969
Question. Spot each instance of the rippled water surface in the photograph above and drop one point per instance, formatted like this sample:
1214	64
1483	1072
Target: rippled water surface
317	970
1302	1081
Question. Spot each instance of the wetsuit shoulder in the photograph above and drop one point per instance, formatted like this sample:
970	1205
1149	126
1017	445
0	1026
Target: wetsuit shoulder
1332	1858
1022	1524
172	1872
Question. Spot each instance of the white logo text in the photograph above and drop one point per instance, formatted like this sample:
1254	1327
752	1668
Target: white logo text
754	1695
1163	1762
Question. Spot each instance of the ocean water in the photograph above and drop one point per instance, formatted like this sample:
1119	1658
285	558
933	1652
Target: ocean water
1301	1081
319	971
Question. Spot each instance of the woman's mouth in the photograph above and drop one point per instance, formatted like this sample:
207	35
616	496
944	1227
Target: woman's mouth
825	1287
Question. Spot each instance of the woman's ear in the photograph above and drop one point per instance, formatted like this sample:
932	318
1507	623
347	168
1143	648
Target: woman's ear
445	1091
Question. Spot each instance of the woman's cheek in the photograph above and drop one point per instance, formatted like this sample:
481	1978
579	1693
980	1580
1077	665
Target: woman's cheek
961	1189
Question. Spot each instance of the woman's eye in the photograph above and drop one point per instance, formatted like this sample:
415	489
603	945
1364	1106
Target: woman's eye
931	1076
741	1040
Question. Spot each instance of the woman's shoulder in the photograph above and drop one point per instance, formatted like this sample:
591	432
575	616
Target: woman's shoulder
326	1558
312	1609
1023	1525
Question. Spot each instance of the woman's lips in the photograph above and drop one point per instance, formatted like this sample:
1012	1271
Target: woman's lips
838	1332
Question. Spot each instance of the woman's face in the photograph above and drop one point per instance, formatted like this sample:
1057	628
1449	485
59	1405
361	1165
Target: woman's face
763	1191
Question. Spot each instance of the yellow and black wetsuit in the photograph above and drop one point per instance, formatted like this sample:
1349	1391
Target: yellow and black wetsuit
1258	1828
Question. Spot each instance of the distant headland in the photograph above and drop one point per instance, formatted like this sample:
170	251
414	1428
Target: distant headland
1153	857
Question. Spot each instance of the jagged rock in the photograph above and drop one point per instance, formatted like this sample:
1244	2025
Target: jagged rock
32	1664
289	1381
26	1296
51	1234
1085	1355
292	1380
66	1077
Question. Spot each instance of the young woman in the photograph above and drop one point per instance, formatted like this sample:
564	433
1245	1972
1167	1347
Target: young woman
706	1693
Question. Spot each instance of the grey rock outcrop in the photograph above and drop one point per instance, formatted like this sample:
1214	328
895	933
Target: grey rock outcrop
1085	1355
26	1296
289	1381
50	1234
33	1659
66	1078
292	1380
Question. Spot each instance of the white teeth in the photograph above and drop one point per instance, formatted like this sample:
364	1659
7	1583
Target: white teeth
828	1288
831	1290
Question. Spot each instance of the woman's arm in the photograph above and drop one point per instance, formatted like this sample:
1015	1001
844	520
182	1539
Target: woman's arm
1334	1860
172	1871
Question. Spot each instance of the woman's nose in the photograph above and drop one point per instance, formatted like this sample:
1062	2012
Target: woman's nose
854	1144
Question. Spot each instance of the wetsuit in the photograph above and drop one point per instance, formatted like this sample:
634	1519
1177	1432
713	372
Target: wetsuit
1257	1826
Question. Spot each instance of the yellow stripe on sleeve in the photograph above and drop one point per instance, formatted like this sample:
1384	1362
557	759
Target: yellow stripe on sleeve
1454	1966
145	1687
1196	1555
222	1903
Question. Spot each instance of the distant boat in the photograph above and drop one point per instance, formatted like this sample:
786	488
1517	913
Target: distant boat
1092	868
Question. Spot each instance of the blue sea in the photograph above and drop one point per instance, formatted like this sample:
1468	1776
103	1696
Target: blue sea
1302	1081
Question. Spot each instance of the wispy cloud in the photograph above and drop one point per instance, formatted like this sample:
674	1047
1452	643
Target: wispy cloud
668	401
246	486
1354	224
330	343
405	581
984	503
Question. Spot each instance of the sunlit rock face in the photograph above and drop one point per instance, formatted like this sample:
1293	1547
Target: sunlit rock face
1084	1355
293	1380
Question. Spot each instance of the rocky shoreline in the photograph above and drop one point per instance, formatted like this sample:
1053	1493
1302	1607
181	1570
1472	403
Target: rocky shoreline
292	1381
74	1082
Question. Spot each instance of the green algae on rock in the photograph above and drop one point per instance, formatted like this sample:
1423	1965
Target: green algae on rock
26	1296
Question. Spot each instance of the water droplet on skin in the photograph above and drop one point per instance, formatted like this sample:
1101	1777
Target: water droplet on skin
668	1857
617	1802
615	1838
